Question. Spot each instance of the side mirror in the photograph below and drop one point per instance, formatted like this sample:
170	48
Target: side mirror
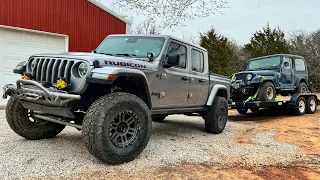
173	60
286	64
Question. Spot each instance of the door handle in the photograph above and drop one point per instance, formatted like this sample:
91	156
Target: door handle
185	78
202	80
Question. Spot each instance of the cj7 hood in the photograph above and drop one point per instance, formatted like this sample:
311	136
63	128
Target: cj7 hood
261	73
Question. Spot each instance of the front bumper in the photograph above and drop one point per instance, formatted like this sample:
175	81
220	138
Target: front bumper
35	96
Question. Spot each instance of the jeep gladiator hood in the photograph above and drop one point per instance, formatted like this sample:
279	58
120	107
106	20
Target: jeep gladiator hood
104	60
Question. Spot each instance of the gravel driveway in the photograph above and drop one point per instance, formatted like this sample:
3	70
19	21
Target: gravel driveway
180	139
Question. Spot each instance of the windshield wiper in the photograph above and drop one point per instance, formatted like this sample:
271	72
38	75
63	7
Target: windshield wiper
126	54
106	54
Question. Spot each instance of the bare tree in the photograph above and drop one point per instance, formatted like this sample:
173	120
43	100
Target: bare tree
170	13
147	26
191	38
308	45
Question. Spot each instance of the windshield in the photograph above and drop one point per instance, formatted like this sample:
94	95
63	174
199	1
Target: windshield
265	63
134	46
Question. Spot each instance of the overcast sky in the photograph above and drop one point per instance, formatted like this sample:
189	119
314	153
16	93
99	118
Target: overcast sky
244	17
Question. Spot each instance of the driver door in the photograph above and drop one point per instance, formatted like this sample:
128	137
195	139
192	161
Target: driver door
287	73
174	81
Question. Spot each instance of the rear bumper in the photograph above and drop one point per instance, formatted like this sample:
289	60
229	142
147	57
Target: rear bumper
35	96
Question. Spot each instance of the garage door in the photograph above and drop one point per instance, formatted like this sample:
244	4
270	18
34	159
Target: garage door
17	45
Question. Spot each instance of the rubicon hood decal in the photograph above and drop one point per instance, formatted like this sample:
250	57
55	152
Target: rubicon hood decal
126	64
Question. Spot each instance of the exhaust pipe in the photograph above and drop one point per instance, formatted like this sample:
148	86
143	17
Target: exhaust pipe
54	120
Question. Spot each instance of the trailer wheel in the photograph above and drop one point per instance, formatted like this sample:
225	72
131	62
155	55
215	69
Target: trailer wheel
311	105
242	110
301	106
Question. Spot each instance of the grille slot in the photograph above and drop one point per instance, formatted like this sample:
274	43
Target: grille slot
50	70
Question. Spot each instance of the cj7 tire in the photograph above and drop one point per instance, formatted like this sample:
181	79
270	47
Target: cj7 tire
303	88
267	92
117	127
216	116
22	122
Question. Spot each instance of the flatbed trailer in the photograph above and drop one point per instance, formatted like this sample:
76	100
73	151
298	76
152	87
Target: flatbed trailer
299	103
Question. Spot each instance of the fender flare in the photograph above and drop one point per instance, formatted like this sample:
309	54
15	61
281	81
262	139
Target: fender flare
299	80
214	91
99	76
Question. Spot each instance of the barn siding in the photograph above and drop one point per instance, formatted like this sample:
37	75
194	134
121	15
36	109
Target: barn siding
84	23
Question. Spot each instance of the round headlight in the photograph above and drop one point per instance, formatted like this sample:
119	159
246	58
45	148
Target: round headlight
249	77
82	69
33	64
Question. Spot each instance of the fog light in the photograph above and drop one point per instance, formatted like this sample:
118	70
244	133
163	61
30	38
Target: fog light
62	83
26	76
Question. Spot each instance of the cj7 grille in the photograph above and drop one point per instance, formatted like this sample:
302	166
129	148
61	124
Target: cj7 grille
50	70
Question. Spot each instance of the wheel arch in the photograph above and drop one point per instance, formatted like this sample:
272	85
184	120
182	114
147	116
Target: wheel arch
127	80
300	80
217	90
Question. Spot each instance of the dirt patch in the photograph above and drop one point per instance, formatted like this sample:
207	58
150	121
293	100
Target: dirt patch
207	171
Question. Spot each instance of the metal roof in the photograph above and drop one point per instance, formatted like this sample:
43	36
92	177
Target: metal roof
103	7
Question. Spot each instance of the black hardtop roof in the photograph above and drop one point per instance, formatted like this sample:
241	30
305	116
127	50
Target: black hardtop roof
273	55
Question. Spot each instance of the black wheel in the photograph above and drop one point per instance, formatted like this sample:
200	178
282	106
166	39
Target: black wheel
23	122
158	118
117	127
254	109
217	115
267	92
311	105
303	88
300	107
242	110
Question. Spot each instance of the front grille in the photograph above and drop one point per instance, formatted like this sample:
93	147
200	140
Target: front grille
49	69
242	76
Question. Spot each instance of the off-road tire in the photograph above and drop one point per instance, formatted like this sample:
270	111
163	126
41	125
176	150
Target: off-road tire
303	88
242	110
255	109
263	94
19	122
158	118
216	116
97	127
298	110
311	105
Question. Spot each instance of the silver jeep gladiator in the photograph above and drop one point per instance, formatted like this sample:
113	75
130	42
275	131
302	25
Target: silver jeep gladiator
113	93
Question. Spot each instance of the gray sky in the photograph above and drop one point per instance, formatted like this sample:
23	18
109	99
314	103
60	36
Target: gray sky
244	17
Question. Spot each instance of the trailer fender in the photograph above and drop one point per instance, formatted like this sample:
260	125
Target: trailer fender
296	96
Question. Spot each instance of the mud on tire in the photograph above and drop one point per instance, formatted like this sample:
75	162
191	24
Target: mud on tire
112	117
20	123
217	115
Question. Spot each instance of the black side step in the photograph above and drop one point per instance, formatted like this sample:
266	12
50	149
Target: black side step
177	111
